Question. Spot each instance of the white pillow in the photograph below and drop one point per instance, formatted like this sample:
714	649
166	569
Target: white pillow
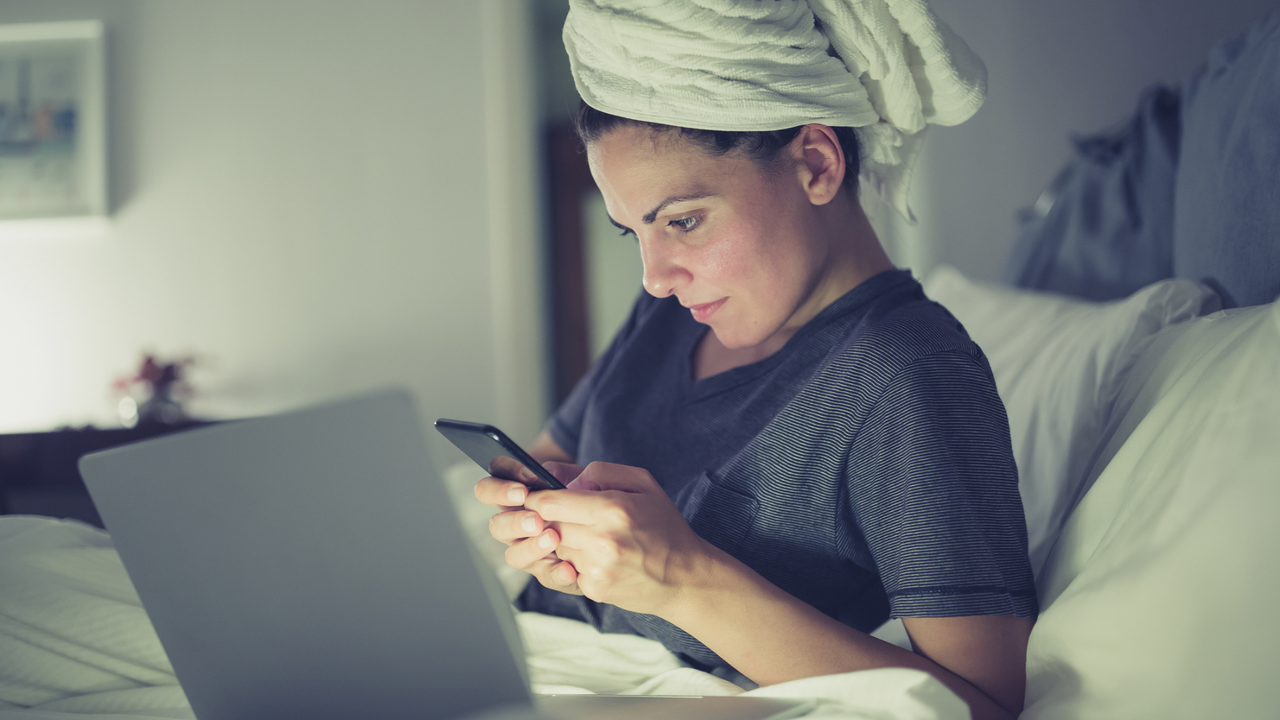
1159	598
1058	364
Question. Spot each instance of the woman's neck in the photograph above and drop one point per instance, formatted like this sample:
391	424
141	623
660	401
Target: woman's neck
856	256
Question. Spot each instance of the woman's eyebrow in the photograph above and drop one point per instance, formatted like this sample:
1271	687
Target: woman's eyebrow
652	215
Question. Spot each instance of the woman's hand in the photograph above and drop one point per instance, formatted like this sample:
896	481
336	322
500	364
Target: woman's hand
530	541
620	534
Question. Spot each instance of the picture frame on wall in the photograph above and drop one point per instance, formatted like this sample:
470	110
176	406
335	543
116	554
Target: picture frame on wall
52	121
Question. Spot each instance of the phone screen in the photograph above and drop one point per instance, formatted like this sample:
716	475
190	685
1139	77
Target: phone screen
486	443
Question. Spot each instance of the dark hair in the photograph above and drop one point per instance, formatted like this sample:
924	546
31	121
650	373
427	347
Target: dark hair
759	145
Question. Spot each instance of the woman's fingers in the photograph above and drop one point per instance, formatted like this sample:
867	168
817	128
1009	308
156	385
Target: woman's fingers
499	493
609	476
614	520
555	572
564	472
581	507
530	542
562	576
523	554
510	469
536	556
515	525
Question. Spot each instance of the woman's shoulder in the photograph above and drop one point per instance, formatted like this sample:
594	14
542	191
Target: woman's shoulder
903	343
901	328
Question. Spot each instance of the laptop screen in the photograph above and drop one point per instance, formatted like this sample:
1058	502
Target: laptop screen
309	564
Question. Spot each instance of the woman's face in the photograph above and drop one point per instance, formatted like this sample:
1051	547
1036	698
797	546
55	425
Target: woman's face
738	244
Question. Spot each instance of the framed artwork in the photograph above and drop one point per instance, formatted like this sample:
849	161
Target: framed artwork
52	120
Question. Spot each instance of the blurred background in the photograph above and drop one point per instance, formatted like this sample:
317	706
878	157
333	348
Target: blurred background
310	198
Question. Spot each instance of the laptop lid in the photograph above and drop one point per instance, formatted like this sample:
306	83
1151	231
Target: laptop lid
311	565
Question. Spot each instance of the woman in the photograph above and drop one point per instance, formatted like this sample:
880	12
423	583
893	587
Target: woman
786	443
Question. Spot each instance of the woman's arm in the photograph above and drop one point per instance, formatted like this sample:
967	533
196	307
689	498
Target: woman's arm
619	539
544	449
982	659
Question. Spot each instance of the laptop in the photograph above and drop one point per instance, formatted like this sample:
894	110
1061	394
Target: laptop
310	564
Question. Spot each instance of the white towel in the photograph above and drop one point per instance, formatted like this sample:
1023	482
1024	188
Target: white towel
885	67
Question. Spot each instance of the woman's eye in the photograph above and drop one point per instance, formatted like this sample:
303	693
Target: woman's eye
685	224
625	232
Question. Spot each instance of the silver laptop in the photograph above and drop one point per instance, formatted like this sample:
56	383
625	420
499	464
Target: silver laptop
310	565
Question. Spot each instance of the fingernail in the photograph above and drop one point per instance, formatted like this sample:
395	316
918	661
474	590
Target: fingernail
517	495
529	525
545	541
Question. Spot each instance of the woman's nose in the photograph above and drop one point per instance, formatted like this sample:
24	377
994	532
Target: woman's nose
663	274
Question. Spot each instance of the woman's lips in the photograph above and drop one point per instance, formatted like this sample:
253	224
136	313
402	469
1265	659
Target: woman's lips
702	313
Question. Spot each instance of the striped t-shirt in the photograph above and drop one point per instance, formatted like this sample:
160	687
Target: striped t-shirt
865	467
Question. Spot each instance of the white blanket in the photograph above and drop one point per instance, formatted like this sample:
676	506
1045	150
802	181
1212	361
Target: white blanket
74	640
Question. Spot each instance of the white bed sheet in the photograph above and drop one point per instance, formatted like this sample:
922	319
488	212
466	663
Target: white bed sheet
75	643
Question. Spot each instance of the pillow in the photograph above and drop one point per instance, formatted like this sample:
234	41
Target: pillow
1226	224
1159	599
1059	363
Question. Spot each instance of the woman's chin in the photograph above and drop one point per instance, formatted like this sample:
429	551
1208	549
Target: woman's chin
732	340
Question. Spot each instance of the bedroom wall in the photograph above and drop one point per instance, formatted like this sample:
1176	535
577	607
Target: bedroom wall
314	197
1054	68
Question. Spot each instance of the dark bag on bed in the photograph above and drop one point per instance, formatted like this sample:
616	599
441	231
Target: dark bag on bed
1188	187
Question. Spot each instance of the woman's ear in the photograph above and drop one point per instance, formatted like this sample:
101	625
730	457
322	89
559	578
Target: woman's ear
821	163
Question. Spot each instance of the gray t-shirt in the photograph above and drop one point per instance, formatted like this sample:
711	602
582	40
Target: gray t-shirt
865	467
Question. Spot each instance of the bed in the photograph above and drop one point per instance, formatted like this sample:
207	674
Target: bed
1136	345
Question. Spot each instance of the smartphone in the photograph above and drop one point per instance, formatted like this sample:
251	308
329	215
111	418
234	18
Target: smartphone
486	443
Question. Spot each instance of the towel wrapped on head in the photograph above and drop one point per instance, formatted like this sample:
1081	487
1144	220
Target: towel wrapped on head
884	67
